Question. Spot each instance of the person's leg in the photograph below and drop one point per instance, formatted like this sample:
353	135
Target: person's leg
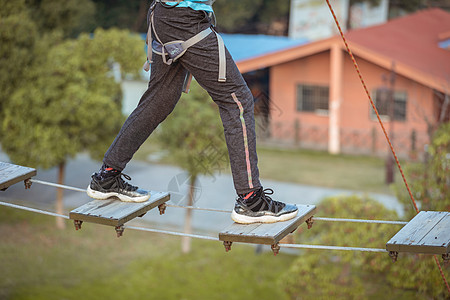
164	91
233	97
235	103
158	101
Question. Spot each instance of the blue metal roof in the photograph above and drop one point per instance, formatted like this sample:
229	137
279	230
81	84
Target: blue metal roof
445	44
245	46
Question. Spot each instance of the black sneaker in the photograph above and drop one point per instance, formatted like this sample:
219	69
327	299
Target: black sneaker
104	187
258	207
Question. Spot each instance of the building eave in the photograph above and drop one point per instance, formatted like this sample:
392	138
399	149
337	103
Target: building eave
287	55
283	56
426	79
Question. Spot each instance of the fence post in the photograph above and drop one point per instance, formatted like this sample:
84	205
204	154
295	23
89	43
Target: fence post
374	141
297	132
413	151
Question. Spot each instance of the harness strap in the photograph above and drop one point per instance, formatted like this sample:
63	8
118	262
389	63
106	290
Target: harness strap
209	2
222	59
173	50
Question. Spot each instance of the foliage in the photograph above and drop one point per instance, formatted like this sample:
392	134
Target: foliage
233	16
430	186
343	281
68	101
250	16
126	14
342	274
193	134
253	16
70	17
429	181
371	2
420	273
17	37
408	5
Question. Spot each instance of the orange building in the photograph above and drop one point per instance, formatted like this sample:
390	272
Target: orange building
314	98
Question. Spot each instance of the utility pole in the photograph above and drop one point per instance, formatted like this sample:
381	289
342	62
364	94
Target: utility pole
391	114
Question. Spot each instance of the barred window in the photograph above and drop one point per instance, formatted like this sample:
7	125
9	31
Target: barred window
312	98
381	98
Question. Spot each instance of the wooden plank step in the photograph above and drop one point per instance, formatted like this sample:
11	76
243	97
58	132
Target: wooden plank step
268	234
114	212
428	232
11	174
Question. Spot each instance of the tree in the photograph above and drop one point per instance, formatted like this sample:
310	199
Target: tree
253	16
430	184
68	101
126	14
194	137
356	275
70	17
17	38
243	16
430	180
353	2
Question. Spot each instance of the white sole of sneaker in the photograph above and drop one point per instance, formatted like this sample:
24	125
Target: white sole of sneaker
264	219
124	198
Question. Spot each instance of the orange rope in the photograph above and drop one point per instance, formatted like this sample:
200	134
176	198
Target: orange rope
442	273
382	127
373	105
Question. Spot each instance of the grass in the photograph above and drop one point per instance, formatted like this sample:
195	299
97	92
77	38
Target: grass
316	168
40	262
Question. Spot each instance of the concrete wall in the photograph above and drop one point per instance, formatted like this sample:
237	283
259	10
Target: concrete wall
359	131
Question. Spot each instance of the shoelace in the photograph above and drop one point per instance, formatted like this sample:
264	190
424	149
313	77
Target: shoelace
123	184
269	201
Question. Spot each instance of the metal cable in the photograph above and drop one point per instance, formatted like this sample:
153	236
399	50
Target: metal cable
196	236
321	247
199	208
229	211
39	211
359	221
58	185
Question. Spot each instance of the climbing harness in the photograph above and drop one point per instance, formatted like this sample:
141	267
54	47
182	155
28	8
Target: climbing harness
172	51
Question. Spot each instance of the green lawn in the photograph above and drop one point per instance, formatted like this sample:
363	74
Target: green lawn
41	262
317	168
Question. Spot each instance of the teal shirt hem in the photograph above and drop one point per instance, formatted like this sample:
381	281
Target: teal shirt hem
193	5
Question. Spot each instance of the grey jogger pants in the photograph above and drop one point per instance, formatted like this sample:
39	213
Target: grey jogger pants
233	97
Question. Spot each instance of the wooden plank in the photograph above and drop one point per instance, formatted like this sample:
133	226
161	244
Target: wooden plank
114	212
244	229
422	228
11	174
268	234
274	229
414	230
437	241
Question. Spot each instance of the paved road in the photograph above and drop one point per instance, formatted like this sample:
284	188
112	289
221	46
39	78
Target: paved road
213	192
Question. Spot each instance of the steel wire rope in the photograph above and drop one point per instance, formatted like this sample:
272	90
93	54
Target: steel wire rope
229	211
197	236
